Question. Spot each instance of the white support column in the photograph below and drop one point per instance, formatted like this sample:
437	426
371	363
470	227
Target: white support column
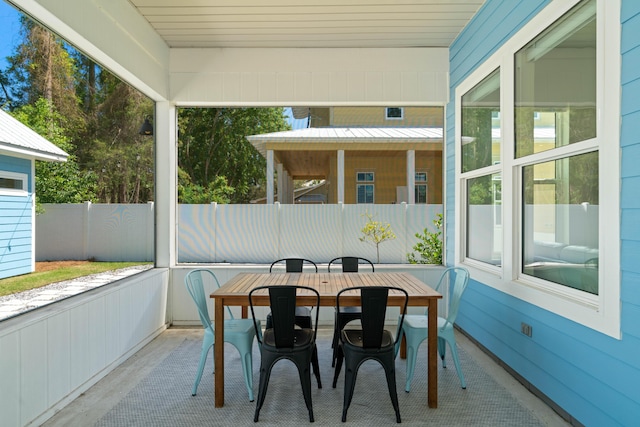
411	177
290	189
269	177
281	190
340	173
166	183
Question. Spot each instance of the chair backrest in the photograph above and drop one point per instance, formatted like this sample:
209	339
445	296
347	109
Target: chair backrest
293	265
373	300
283	302
194	283
455	294
350	264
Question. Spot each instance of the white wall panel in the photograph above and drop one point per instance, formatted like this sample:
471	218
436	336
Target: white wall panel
10	407
51	355
58	357
410	76
96	327
33	371
79	345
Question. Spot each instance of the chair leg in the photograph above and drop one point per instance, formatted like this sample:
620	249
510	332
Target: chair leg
456	361
339	359
334	346
350	374
245	347
305	380
247	370
442	349
390	371
316	366
203	359
265	372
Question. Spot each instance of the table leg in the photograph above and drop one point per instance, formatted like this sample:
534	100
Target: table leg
432	355
218	349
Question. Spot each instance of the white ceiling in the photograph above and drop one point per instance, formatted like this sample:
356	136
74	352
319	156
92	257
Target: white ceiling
308	23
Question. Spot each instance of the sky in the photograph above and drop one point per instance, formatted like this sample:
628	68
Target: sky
10	24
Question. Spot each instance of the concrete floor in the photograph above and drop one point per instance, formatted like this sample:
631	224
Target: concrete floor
99	399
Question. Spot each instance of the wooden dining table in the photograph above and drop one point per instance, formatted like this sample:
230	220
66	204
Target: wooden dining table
236	293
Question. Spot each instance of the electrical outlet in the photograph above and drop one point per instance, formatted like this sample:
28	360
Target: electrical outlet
525	329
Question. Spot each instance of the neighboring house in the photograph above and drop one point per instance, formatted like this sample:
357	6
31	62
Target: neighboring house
20	147
364	154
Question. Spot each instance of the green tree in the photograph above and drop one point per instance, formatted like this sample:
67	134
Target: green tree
376	232
43	68
212	144
56	182
121	157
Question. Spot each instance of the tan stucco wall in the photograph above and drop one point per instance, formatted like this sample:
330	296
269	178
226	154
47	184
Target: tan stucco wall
375	116
390	172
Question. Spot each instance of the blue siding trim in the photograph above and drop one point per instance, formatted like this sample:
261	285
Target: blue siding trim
590	375
16	228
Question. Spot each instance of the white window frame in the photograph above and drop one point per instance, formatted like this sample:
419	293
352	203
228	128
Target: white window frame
386	113
24	191
366	182
421	183
599	312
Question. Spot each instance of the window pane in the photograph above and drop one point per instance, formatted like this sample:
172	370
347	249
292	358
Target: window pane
364	177
421	194
365	193
555	81
421	177
13	184
481	124
394	113
560	229
484	222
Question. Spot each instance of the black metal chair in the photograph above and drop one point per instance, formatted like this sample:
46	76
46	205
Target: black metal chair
283	340
303	314
349	264
295	265
371	342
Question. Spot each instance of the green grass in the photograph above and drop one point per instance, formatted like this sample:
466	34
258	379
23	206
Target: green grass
38	279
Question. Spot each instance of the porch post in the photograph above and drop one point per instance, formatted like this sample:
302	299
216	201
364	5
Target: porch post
269	177
166	203
340	173
411	177
280	190
290	195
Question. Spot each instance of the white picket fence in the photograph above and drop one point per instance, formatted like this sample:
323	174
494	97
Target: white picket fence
228	233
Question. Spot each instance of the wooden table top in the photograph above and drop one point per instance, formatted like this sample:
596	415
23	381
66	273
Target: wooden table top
236	290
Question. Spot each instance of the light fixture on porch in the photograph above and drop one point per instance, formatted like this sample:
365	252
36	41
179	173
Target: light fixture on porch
146	128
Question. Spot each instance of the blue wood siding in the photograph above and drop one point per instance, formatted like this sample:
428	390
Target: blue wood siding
588	374
16	228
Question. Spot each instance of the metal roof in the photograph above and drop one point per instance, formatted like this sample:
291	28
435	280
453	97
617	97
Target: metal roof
353	134
307	23
19	140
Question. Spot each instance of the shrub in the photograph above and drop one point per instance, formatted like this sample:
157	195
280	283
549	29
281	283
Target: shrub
429	246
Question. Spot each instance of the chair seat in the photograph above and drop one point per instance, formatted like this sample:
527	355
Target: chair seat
302	338
420	321
353	338
238	326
